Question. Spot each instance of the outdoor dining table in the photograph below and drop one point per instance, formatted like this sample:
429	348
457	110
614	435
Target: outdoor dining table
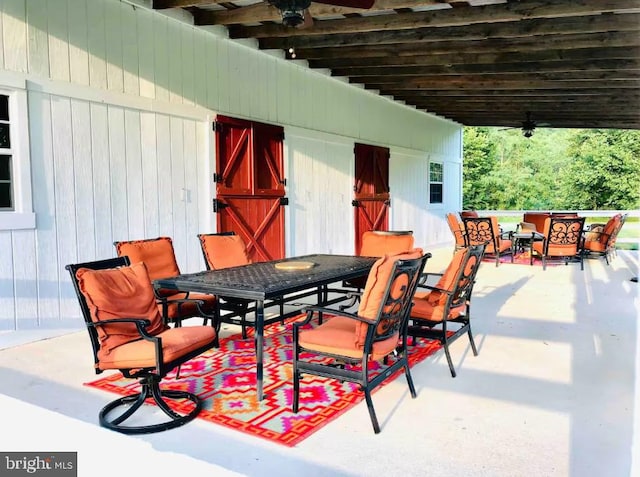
274	280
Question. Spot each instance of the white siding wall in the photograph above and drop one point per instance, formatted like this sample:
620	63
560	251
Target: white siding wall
120	100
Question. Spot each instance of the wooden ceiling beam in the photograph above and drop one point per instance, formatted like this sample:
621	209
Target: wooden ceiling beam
452	58
510	93
522	29
264	12
454	17
479	47
525	67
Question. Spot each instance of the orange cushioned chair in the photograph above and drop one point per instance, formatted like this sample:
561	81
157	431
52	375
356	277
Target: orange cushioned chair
600	240
485	230
377	243
448	304
128	333
344	345
224	250
537	219
159	257
562	239
457	229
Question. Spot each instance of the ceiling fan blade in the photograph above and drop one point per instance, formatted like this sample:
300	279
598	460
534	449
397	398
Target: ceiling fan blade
308	19
348	3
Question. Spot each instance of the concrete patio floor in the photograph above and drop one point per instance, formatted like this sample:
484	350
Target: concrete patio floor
554	391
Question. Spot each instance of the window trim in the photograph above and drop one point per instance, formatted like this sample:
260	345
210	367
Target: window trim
22	215
441	182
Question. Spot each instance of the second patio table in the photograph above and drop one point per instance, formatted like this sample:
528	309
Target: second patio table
262	281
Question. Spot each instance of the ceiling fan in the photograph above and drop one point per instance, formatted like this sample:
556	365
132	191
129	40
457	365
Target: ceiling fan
296	12
528	125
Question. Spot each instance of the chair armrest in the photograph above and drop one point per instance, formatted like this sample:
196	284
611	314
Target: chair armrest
432	288
141	325
425	276
310	310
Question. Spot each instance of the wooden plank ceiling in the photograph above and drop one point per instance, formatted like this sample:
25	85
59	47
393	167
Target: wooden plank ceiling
571	64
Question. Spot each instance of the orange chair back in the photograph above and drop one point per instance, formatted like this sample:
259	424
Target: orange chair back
157	254
563	236
377	243
223	250
457	229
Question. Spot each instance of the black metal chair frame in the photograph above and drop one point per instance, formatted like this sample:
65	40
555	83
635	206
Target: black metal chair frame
394	311
484	233
559	233
237	308
459	296
610	250
149	377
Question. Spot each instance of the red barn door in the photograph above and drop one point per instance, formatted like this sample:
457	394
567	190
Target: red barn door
371	190
250	191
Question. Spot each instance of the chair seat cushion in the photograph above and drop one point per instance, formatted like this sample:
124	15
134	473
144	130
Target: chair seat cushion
123	292
188	309
424	309
556	250
176	342
595	246
503	246
335	336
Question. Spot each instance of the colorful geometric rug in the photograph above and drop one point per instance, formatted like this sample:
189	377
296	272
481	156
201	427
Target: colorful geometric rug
521	258
225	378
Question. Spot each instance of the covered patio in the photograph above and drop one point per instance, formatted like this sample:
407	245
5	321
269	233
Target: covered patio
553	392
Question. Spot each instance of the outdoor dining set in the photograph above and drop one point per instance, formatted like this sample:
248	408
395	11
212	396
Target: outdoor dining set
346	312
549	236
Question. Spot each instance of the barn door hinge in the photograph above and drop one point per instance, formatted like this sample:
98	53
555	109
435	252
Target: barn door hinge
284	200
218	205
355	203
216	126
217	178
283	182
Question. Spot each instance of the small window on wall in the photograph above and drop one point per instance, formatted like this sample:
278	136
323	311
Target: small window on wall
6	195
435	182
16	211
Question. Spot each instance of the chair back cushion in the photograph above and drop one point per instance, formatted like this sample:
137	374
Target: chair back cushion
375	291
376	244
468	213
157	254
447	280
123	292
223	251
456	228
562	236
537	219
483	230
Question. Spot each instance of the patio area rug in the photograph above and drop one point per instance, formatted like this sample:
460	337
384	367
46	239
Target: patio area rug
522	258
225	379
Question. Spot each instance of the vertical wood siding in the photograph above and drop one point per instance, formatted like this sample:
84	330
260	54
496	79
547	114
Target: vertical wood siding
123	150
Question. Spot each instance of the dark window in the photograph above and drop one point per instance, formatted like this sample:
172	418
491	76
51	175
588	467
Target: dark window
436	179
6	201
6	184
4	107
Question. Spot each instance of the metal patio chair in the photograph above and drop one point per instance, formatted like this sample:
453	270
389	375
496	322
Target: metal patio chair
349	342
444	312
128	334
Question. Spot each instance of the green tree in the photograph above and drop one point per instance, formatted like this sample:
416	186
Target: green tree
478	163
604	172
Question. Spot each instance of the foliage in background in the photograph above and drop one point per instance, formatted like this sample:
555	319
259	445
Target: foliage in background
555	169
